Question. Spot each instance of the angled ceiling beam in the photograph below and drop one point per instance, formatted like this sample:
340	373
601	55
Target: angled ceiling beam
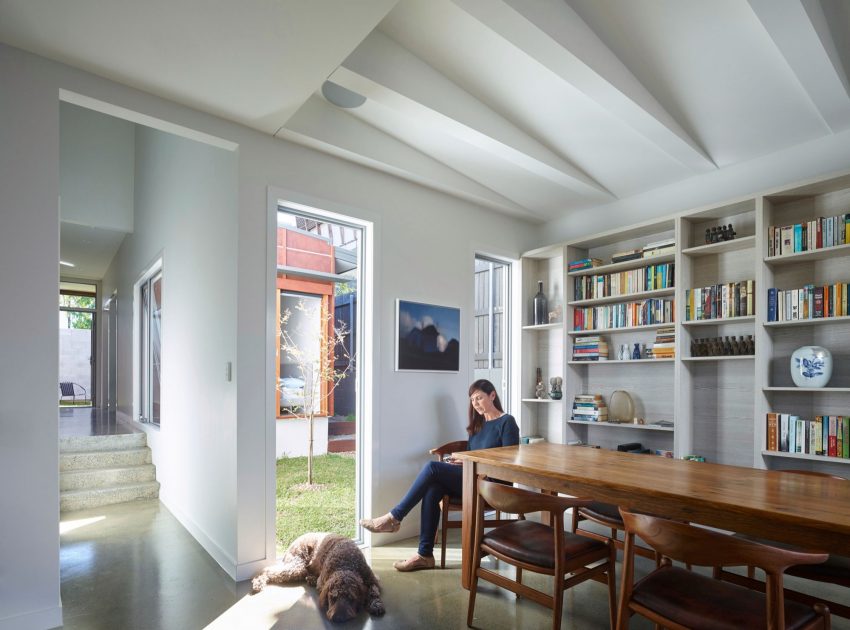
386	72
554	35
326	128
801	33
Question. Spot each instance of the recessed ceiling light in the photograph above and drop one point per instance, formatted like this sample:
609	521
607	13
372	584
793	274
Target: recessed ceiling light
342	97
67	264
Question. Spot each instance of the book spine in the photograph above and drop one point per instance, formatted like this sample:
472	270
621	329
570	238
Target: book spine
771	305
783	432
772	432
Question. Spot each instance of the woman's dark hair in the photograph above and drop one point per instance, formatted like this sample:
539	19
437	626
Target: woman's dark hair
476	420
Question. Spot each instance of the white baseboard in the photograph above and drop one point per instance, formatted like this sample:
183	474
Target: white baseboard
250	569
34	620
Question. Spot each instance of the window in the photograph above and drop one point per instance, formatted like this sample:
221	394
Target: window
490	339
150	349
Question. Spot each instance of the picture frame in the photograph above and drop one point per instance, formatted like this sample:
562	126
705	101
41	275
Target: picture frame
427	337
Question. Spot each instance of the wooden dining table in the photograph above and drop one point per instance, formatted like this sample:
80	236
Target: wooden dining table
809	511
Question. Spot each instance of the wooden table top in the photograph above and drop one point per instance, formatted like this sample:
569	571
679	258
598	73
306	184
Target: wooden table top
760	502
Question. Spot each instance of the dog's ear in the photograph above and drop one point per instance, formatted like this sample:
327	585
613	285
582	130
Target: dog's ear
323	593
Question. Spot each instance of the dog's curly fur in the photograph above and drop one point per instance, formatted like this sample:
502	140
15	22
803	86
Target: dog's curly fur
336	567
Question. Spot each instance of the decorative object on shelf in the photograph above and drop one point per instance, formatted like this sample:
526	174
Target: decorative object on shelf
427	337
811	366
723	346
719	234
541	306
624	352
540	388
556	392
636	352
555	314
621	407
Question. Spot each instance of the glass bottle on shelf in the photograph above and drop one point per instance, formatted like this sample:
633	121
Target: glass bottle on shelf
541	306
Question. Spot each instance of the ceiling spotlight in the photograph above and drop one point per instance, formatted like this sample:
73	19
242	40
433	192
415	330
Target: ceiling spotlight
67	264
342	97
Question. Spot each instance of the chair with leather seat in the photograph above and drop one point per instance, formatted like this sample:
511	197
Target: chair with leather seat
674	597
449	504
528	545
836	569
606	515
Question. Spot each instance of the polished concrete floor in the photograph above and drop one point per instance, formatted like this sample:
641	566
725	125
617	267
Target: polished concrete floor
87	421
133	566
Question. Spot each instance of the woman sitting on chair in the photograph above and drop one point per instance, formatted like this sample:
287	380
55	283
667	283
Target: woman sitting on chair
489	426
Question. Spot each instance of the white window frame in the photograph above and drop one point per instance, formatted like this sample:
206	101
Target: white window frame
142	402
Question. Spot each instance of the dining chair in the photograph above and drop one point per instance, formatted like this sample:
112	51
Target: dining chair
677	598
836	569
449	504
607	515
528	545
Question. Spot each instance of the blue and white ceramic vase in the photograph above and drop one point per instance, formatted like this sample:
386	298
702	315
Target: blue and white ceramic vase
811	366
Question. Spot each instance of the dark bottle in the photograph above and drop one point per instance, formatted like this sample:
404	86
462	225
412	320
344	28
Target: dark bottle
731	232
541	306
713	238
707	236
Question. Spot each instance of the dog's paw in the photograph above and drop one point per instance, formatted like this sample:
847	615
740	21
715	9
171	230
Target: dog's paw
376	607
259	582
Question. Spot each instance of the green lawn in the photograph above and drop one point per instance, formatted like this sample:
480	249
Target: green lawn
328	506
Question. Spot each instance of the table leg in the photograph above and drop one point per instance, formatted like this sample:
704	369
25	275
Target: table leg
468	518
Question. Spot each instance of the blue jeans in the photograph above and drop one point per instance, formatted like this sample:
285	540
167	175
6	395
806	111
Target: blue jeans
433	481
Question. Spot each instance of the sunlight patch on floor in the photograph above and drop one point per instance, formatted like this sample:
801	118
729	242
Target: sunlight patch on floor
261	610
69	526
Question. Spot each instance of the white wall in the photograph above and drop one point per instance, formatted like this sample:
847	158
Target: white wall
293	434
424	241
96	178
29	433
185	213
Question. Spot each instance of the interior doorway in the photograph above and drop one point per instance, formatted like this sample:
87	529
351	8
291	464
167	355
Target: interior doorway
77	344
318	399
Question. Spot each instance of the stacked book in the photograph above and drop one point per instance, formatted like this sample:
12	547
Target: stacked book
808	236
810	302
584	263
590	408
659	248
825	435
732	299
629	254
665	343
593	348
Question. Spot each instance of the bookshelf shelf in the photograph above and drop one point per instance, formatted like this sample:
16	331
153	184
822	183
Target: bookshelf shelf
745	242
817	458
821	390
637	263
809	322
552	326
719	320
541	400
815	254
622	425
611	331
628	297
735	357
619	362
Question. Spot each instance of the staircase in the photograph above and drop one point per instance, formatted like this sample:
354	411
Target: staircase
106	469
341	436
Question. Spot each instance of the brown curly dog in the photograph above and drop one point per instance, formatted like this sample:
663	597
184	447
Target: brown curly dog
336	567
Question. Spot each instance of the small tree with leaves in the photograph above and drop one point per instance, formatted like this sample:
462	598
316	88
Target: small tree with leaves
316	369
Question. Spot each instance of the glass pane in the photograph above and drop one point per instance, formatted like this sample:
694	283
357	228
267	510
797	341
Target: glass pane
156	348
75	357
144	392
301	339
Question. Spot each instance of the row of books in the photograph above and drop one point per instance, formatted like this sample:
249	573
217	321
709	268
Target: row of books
825	435
732	299
589	408
659	248
665	343
624	315
592	348
584	263
810	302
804	237
648	278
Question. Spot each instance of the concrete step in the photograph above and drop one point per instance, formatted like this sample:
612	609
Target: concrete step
337	427
90	443
79	460
343	445
72	500
91	478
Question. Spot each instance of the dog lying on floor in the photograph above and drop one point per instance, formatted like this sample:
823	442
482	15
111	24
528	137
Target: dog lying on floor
336	567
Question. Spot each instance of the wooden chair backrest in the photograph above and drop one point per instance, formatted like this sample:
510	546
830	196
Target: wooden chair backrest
517	501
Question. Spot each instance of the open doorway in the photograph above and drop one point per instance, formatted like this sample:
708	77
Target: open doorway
318	425
77	344
491	338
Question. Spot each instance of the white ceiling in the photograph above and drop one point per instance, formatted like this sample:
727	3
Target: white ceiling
531	107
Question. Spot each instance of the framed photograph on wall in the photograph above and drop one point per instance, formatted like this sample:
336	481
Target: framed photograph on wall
427	337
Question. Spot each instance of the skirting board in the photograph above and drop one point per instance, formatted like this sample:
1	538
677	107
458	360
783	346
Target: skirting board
35	620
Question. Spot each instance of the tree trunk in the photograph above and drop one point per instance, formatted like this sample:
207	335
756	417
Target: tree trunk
310	452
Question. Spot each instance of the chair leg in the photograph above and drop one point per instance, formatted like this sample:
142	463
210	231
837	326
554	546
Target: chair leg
518	579
558	600
612	585
443	531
